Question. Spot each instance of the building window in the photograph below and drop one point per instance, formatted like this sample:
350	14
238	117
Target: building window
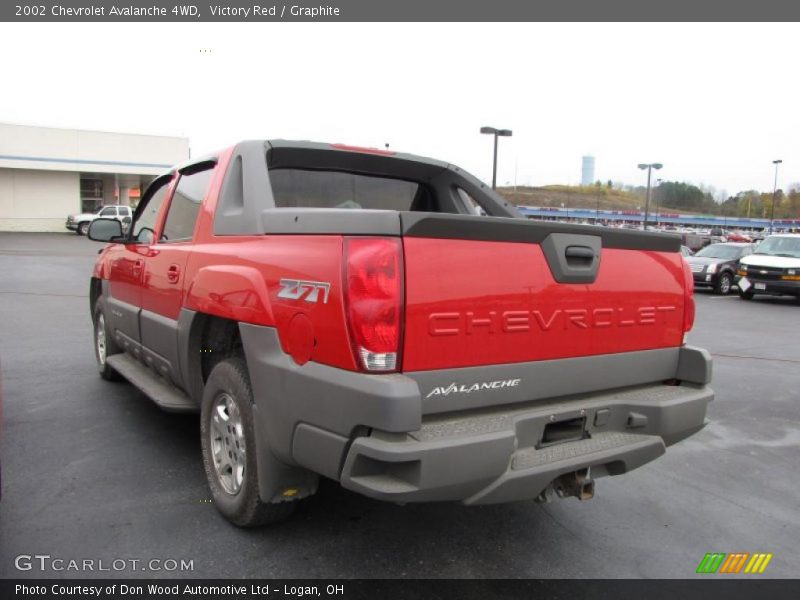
91	194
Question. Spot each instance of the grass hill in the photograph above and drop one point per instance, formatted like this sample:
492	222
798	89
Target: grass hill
591	197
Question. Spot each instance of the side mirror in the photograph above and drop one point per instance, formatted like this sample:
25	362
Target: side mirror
105	230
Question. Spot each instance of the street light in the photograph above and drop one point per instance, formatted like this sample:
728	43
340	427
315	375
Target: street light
649	168
658	187
495	133
774	191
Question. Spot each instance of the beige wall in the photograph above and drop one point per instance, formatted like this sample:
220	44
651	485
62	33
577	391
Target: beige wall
88	151
40	170
37	200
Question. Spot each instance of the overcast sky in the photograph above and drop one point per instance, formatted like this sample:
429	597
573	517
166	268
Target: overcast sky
714	103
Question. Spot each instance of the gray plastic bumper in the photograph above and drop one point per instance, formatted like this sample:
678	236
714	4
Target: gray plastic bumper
497	456
388	437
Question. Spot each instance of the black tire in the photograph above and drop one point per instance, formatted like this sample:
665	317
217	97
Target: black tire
106	372
724	284
748	295
83	228
238	501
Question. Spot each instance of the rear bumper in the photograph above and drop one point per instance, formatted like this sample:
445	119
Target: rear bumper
435	435
498	456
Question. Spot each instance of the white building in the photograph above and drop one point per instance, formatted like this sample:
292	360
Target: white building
48	173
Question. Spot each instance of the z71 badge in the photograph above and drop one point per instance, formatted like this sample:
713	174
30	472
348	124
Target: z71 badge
295	289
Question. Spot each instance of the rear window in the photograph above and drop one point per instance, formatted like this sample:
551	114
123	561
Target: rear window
298	188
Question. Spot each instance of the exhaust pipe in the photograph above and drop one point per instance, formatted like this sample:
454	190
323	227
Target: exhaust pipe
578	484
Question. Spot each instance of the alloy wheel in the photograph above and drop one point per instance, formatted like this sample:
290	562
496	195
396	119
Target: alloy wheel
227	443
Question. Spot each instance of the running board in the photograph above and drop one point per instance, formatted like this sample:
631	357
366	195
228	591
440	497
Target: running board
166	396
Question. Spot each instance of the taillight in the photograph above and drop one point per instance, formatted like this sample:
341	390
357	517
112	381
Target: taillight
373	287
688	300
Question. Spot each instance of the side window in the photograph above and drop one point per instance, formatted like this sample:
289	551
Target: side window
145	224
185	206
109	211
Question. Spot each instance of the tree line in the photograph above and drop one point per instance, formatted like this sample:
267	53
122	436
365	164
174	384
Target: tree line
748	203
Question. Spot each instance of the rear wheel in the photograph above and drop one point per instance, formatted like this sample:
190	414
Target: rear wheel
83	228
227	432
748	295
104	346
724	284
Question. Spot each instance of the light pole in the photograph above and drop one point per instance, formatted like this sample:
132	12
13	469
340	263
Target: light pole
649	168
658	193
774	192
495	132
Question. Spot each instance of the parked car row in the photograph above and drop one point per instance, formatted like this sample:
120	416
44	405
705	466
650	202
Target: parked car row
771	267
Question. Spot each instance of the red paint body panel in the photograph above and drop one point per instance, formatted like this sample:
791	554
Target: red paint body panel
160	294
467	303
239	278
472	303
126	263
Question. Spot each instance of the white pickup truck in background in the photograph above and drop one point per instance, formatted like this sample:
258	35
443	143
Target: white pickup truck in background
80	223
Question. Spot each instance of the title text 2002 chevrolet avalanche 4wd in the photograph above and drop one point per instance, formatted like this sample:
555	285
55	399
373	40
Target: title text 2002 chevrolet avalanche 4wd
345	312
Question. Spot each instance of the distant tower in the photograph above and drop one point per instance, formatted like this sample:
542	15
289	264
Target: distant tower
587	170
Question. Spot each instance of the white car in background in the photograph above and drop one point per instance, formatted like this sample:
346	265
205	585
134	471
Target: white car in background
80	223
774	268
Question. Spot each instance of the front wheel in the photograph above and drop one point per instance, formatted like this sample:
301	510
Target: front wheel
724	284
227	432
83	228
104	346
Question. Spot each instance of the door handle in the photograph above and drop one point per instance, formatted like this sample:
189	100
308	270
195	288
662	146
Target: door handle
173	273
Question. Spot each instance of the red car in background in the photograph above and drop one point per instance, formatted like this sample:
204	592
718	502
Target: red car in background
738	236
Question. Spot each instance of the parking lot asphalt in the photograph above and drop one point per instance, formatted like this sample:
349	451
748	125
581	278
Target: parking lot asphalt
93	470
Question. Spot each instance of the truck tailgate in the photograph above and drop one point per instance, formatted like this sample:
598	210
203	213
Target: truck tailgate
487	291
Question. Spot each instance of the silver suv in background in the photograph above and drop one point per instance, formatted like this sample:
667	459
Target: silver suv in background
80	223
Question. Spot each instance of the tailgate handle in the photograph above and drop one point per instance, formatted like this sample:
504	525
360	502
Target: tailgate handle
581	253
573	257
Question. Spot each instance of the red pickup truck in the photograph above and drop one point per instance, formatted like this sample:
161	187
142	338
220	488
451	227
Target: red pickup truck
389	322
